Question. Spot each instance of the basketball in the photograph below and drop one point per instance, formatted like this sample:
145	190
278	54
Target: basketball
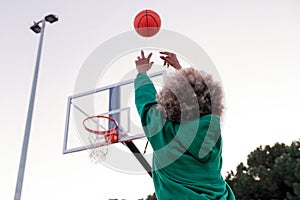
147	23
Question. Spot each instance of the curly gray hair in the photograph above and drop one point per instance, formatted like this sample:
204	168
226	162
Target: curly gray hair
189	94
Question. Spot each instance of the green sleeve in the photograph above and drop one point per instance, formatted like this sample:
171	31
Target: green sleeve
145	95
145	101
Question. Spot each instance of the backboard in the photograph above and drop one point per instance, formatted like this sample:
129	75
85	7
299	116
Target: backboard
114	100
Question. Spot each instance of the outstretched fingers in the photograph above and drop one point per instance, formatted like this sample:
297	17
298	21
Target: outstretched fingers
143	63
167	60
143	54
165	53
149	56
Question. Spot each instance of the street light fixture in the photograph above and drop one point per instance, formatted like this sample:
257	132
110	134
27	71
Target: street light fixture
37	29
51	18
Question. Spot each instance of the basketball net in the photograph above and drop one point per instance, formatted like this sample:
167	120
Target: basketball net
97	153
102	132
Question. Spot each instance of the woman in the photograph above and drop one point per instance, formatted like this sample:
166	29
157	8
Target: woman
182	124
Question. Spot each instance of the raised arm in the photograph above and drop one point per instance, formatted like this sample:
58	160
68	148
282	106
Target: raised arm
145	93
145	101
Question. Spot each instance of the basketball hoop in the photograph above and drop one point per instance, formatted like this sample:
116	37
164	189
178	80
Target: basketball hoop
111	135
104	131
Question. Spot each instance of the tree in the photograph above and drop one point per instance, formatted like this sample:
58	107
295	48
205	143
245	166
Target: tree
270	173
151	197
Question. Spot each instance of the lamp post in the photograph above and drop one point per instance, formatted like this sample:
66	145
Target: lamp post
37	29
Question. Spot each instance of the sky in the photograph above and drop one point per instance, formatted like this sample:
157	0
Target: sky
255	46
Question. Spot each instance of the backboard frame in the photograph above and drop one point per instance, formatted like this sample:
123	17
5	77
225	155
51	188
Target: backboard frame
114	107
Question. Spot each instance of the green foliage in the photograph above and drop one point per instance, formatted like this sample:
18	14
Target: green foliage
271	173
151	197
116	199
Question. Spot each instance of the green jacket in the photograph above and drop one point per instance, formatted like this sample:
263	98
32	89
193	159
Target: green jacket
187	157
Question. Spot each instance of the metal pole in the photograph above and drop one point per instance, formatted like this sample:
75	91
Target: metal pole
139	157
29	119
115	103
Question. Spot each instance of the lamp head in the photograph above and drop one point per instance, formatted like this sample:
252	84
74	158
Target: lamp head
51	18
36	28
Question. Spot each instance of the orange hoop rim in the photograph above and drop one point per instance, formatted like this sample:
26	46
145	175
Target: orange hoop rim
107	132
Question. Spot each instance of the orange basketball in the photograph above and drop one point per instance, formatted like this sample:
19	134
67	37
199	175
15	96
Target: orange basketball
147	23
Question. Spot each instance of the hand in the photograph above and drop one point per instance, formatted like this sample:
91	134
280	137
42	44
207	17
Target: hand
170	59
142	63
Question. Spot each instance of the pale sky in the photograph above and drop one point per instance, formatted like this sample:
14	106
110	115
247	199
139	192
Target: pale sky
255	47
